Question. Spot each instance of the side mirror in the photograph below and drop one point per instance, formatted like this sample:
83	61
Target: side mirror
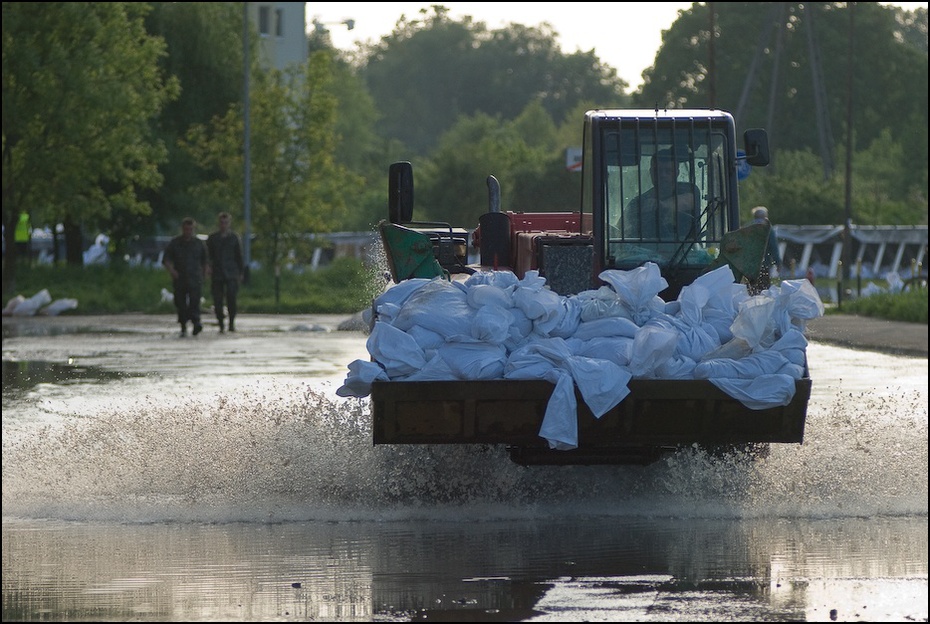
757	147
400	192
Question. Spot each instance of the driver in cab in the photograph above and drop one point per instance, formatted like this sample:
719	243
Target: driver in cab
667	210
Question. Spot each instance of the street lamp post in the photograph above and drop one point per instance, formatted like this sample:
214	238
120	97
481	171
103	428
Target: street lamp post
320	27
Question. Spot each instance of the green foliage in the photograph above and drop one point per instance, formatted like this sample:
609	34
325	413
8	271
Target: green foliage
794	191
433	70
91	117
768	82
81	86
881	191
524	154
297	187
204	42
345	286
910	305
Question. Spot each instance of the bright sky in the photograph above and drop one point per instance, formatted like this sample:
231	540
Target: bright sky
624	35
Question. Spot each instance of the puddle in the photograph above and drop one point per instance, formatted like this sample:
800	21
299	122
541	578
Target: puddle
21	376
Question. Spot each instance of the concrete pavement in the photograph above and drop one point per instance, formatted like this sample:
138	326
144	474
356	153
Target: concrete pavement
870	334
847	330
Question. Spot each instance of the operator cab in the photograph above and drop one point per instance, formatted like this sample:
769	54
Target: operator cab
665	186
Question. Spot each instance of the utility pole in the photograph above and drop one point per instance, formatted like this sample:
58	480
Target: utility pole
247	169
847	230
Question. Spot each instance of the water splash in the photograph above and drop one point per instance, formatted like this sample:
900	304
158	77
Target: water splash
289	452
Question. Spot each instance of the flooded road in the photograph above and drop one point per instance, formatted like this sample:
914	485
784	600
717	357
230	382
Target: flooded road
152	478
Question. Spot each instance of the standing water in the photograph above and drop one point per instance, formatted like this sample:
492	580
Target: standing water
152	478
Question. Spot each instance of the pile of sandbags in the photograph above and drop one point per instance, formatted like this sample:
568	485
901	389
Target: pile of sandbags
40	303
494	325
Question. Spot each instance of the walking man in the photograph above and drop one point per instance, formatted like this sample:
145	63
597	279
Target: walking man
226	269
185	259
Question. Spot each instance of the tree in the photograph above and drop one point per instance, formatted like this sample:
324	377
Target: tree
434	70
524	154
768	53
297	187
204	54
798	194
81	85
359	147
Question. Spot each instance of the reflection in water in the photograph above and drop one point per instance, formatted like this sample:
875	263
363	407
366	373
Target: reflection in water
602	568
19	377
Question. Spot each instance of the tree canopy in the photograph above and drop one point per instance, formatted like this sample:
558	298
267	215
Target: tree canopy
297	187
123	115
796	70
432	70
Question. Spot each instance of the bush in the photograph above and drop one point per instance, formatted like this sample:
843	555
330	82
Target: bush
909	305
343	287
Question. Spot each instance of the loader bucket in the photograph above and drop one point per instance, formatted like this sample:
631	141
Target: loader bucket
743	250
409	253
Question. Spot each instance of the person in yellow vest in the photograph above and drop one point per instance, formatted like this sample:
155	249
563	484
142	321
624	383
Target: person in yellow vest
23	237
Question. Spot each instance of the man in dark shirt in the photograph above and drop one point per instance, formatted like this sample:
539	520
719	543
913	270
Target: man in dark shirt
226	269
185	259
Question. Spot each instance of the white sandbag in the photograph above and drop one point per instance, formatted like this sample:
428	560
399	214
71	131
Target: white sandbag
676	367
639	290
58	306
426	339
793	345
606	327
505	280
569	319
396	351
537	352
601	303
31	306
361	375
435	369
602	384
654	344
692	300
474	361
753	322
439	306
797	302
616	349
760	393
12	304
749	367
696	339
560	422
734	349
519	330
388	304
480	295
491	323
539	303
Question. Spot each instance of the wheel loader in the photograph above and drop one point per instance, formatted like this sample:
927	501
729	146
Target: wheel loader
686	223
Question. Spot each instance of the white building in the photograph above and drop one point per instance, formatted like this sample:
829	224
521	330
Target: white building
282	32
